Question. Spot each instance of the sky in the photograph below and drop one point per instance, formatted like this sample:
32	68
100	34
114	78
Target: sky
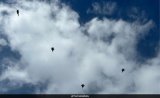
92	39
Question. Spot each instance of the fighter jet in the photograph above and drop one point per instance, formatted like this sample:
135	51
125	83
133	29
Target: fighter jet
123	69
52	48
18	12
82	85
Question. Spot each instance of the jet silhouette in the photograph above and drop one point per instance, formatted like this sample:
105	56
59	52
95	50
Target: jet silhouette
52	48
82	85
123	69
18	12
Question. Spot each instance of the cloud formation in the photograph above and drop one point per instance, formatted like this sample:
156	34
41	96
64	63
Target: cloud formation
3	42
92	54
104	8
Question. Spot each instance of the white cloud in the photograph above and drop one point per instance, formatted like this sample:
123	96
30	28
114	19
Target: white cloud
3	42
104	8
15	74
77	58
137	14
148	79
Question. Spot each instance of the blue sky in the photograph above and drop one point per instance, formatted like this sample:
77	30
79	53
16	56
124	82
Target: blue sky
93	38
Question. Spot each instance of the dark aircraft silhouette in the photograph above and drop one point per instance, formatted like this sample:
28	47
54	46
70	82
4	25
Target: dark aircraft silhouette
82	85
123	69
18	12
52	48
